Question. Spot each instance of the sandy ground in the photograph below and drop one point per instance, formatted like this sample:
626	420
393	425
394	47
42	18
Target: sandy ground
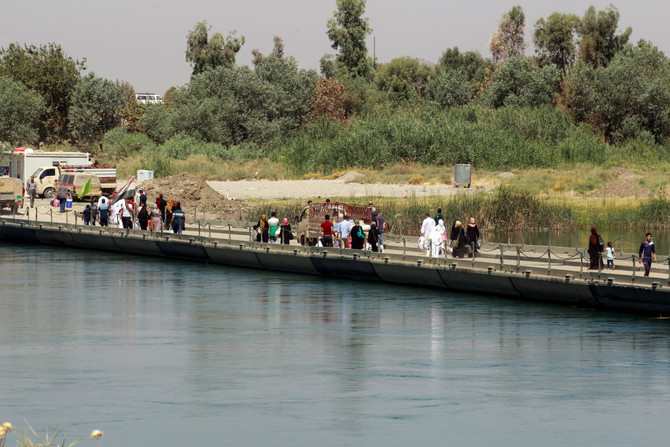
316	189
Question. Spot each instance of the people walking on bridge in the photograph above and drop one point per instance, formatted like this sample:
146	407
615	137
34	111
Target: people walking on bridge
472	232
610	255
94	211
103	210
273	224
285	234
326	232
438	216
460	239
32	191
381	228
436	241
426	229
344	230
373	236
647	251
178	219
61	194
596	247
262	231
156	219
143	216
357	236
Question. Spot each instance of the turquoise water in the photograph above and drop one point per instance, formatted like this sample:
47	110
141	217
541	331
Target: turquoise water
165	353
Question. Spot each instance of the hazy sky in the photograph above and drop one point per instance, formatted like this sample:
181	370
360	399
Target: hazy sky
143	41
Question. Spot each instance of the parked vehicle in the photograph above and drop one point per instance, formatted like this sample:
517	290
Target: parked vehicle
47	176
312	216
23	162
75	181
12	192
4	170
148	98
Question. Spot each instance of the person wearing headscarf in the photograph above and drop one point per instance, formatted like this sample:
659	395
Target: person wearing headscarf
596	246
460	240
436	242
262	229
472	232
168	212
156	219
373	234
285	234
357	236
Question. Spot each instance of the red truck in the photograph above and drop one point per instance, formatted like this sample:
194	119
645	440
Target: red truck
309	222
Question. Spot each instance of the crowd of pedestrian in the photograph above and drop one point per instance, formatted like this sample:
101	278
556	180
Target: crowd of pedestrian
133	212
460	242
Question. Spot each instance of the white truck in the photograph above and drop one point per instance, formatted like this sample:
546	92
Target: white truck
47	168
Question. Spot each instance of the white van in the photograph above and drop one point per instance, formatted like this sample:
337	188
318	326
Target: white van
148	98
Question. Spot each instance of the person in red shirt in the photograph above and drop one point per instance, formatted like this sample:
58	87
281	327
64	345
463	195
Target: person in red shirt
327	232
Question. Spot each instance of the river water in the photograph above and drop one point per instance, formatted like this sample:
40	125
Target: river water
157	352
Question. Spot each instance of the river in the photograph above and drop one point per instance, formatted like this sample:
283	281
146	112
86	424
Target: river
157	352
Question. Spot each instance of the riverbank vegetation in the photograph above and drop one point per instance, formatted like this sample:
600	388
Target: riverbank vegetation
504	209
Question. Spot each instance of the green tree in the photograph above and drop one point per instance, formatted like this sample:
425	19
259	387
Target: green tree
204	53
518	82
96	108
555	40
599	41
156	123
629	96
21	112
470	63
508	40
47	70
347	31
449	89
404	78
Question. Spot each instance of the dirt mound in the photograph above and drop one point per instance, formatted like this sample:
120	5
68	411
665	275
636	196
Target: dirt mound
190	191
625	187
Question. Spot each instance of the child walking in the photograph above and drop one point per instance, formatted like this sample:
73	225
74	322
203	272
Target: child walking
610	255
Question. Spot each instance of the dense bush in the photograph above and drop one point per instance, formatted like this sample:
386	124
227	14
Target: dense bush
119	143
629	96
504	138
236	106
451	88
518	82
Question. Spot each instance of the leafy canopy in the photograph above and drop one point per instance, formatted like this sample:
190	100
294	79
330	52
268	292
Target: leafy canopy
47	70
96	108
347	31
204	53
555	40
21	112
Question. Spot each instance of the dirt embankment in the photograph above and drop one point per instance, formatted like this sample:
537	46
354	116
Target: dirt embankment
192	192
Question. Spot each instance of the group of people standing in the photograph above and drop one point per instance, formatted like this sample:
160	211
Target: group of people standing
460	241
133	212
349	233
271	231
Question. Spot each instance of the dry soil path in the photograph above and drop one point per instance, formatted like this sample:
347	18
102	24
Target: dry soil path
315	189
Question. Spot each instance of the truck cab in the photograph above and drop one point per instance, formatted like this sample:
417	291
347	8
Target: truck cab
45	178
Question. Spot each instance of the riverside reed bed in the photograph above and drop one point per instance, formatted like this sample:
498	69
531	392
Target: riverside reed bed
504	209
